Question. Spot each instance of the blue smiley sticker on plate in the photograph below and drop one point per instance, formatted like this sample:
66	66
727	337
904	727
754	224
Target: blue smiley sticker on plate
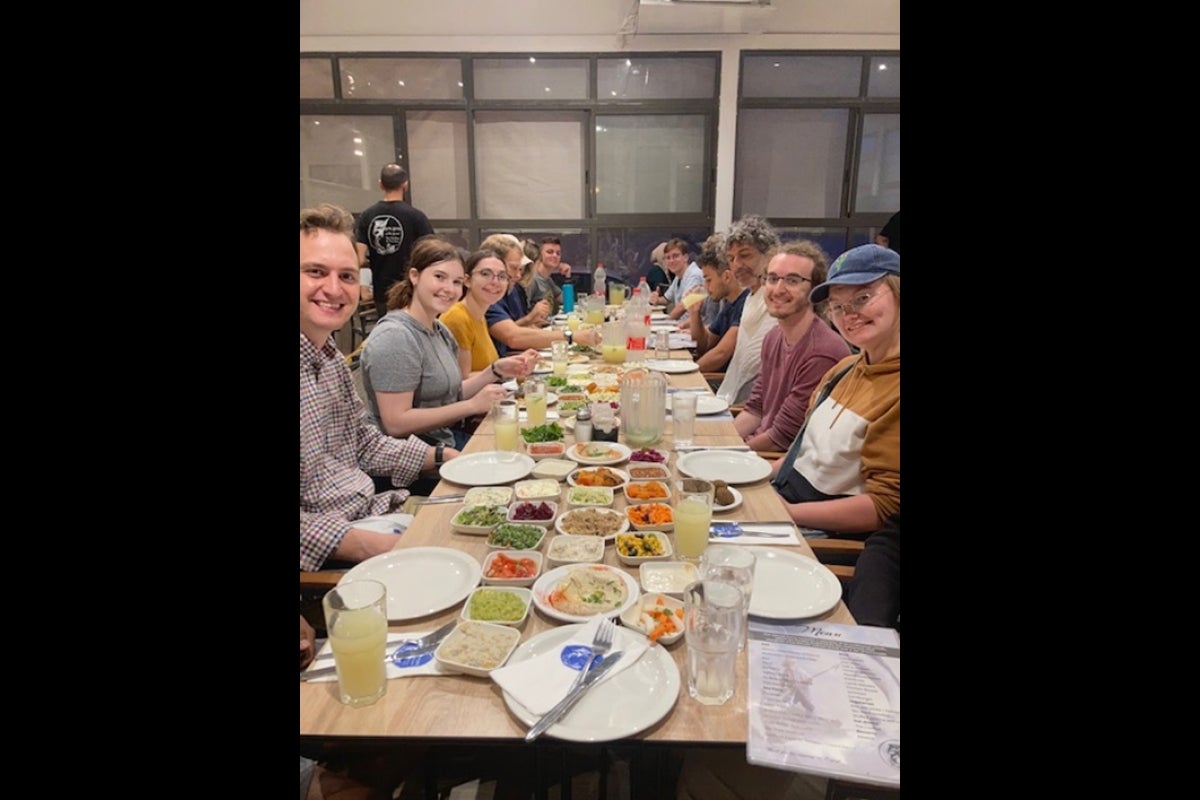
575	656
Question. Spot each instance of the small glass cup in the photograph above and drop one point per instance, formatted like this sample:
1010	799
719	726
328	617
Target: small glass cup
558	357
662	345
683	418
504	423
693	518
713	625
356	621
732	564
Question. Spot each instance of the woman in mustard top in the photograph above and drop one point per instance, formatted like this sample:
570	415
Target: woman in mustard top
487	282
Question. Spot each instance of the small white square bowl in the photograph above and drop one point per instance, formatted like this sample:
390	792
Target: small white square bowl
477	648
525	596
515	555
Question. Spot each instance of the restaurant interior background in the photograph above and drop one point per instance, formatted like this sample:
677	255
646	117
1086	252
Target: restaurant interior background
615	124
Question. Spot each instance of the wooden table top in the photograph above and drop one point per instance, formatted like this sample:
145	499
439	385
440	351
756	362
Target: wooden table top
465	707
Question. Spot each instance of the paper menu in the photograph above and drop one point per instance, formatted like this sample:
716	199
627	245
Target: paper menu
825	699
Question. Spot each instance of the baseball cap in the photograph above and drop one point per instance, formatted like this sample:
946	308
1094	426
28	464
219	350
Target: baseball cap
857	266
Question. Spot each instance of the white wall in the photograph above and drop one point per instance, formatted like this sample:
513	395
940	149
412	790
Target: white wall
602	26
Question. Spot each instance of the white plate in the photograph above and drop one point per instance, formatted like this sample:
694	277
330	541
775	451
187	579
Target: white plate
664	327
549	581
659	315
706	403
626	704
791	586
622	453
737	501
731	466
672	366
487	468
420	580
558	523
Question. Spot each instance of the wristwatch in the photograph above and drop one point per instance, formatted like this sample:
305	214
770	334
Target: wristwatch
570	337
499	377
439	455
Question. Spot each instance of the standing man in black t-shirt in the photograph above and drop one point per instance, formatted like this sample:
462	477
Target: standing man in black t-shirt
889	235
386	232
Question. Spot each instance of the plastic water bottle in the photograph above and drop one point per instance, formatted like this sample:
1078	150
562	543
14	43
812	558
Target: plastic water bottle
644	288
568	290
599	278
637	326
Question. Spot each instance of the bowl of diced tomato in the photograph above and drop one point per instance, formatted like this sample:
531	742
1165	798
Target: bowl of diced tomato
658	616
512	567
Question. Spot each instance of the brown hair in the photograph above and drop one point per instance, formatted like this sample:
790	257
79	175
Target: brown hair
678	244
327	217
428	250
810	250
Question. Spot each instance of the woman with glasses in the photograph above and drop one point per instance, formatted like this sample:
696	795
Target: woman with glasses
842	472
412	375
486	282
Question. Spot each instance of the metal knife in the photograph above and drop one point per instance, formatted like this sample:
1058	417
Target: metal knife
568	702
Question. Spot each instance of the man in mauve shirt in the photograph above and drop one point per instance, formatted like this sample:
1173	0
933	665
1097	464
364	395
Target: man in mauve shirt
795	353
339	449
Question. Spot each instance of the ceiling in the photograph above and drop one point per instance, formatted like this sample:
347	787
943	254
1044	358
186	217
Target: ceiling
570	18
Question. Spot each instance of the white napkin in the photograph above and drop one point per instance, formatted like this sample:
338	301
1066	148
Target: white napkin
539	683
551	415
681	341
749	538
417	665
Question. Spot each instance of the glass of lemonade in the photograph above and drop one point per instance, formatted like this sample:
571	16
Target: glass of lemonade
356	621
616	293
612	343
573	321
535	402
559	355
693	518
504	421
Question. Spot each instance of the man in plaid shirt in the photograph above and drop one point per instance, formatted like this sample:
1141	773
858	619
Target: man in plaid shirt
339	449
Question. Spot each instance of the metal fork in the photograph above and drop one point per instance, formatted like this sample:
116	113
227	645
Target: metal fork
601	644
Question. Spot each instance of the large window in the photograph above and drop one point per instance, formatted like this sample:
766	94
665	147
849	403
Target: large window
601	150
818	147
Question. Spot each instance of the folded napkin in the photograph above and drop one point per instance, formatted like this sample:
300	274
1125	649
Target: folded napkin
681	341
748	537
539	683
551	415
417	665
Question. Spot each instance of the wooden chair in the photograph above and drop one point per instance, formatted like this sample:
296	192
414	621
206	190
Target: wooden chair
838	555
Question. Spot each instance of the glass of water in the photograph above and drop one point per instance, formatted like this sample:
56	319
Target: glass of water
713	626
732	564
683	418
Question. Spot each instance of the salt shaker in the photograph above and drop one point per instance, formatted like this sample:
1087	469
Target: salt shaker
583	425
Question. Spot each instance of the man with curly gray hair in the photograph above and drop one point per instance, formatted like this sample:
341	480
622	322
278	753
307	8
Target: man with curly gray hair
749	245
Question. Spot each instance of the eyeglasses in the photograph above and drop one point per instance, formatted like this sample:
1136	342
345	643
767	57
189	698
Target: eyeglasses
856	304
792	281
489	276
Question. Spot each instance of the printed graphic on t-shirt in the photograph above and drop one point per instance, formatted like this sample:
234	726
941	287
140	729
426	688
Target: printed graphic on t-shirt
386	234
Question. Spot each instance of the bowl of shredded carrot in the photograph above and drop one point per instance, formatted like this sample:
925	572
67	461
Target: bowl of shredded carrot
651	516
658	616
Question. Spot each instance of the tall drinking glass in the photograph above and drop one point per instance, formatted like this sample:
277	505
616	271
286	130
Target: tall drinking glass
712	625
683	418
693	517
504	421
356	619
535	402
732	564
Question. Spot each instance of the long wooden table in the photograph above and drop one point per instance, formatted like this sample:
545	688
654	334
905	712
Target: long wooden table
464	707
